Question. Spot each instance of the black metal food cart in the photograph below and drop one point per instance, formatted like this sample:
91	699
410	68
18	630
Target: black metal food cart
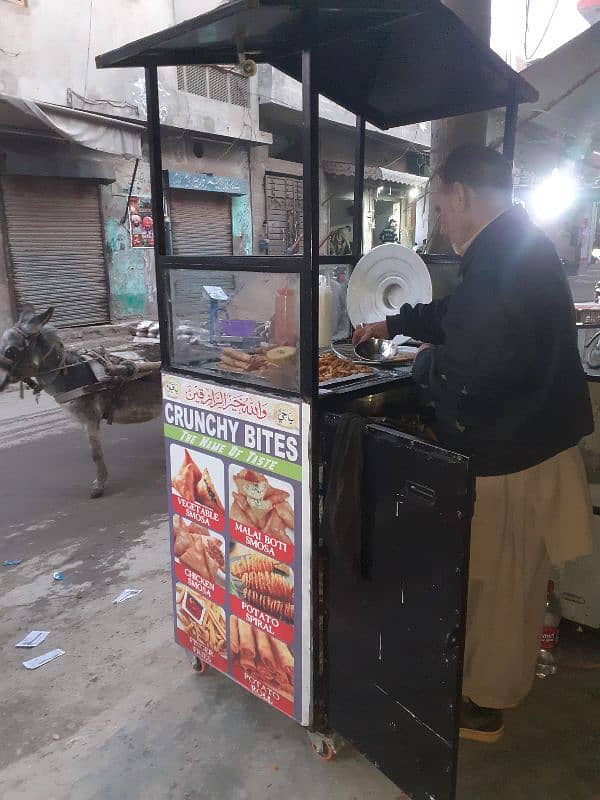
357	637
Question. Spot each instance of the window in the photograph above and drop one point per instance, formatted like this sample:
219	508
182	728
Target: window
217	83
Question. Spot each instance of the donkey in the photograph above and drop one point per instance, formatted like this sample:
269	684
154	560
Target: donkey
32	351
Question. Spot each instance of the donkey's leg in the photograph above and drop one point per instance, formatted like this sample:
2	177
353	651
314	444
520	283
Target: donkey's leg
93	432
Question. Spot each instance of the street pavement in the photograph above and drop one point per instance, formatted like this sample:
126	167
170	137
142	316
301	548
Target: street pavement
122	716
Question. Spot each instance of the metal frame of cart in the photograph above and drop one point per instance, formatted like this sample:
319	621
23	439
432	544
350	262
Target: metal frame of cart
391	63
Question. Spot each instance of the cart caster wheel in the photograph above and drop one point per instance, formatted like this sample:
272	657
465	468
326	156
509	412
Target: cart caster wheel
325	751
199	666
325	745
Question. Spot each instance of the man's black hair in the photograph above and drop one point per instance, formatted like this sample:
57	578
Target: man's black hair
478	167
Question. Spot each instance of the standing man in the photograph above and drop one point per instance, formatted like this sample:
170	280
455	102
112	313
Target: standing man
502	372
389	235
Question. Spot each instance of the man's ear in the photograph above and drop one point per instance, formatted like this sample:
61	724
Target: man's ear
462	196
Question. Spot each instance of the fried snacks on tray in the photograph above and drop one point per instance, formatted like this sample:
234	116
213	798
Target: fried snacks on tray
330	367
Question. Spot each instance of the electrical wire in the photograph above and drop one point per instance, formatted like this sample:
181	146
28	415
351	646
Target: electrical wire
89	44
546	29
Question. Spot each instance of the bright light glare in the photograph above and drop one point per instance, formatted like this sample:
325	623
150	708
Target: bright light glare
553	196
413	193
596	252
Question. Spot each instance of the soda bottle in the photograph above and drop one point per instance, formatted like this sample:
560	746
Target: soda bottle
546	663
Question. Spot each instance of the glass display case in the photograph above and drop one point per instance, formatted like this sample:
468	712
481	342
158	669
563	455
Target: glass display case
241	325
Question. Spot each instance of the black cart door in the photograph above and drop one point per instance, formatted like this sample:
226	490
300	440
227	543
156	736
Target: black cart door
395	633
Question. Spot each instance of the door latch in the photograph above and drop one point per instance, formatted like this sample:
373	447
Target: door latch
417	492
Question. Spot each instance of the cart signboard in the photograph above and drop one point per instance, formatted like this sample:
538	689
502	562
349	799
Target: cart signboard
239	501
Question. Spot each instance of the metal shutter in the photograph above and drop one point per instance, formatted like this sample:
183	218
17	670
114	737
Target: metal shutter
55	245
284	212
201	223
200	226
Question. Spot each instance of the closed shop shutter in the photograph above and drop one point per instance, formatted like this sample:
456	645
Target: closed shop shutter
200	226
201	223
284	212
55	244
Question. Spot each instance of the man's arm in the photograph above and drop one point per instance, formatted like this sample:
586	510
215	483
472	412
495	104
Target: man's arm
423	322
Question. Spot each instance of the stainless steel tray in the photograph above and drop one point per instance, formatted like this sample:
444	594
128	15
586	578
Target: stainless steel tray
347	379
346	351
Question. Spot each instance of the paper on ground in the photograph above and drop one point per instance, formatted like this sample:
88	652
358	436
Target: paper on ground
126	594
34	663
32	639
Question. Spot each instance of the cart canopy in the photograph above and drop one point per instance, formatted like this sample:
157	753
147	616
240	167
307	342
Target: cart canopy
394	62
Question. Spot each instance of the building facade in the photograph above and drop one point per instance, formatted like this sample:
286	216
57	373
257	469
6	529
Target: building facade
75	219
396	164
75	213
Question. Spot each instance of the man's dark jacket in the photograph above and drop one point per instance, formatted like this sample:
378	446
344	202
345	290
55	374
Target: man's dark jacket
505	376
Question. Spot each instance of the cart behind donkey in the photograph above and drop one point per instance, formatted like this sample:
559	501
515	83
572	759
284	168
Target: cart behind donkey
91	385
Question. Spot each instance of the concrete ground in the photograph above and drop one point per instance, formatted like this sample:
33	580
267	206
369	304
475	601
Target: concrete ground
122	716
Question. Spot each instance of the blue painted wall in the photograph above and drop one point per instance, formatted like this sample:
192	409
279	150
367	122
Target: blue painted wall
128	267
131	269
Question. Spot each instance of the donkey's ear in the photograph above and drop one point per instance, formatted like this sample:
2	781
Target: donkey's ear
32	322
27	313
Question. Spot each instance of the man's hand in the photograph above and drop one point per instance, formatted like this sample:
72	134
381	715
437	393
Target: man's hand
372	330
424	346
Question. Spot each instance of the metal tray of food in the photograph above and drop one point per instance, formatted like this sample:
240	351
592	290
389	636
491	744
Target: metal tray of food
375	352
356	376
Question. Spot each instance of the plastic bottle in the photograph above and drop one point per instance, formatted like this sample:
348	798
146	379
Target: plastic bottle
546	663
285	322
325	312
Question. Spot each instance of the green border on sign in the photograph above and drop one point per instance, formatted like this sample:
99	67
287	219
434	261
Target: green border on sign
234	452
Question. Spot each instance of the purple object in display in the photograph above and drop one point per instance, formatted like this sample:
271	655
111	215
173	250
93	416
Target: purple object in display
238	327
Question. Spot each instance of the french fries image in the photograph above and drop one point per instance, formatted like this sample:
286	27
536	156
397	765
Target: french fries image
211	631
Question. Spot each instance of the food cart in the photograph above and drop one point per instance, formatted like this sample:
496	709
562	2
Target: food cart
365	641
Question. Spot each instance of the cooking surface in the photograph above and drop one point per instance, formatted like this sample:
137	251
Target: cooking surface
376	380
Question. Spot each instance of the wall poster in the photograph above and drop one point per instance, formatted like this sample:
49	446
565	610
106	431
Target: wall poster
239	502
141	224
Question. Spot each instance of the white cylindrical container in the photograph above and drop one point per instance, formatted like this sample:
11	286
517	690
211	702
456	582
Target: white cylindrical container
325	312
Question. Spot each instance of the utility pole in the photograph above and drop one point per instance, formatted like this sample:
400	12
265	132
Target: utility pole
447	134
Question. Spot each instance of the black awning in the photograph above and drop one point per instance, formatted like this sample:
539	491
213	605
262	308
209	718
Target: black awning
394	62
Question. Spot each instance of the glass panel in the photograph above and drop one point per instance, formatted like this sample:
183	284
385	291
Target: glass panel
333	315
242	325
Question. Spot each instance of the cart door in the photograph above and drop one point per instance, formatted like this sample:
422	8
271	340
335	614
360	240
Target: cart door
395	633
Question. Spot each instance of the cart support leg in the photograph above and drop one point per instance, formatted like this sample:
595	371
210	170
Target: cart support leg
325	745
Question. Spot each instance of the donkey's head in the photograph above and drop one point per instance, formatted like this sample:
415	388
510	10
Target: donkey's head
22	351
